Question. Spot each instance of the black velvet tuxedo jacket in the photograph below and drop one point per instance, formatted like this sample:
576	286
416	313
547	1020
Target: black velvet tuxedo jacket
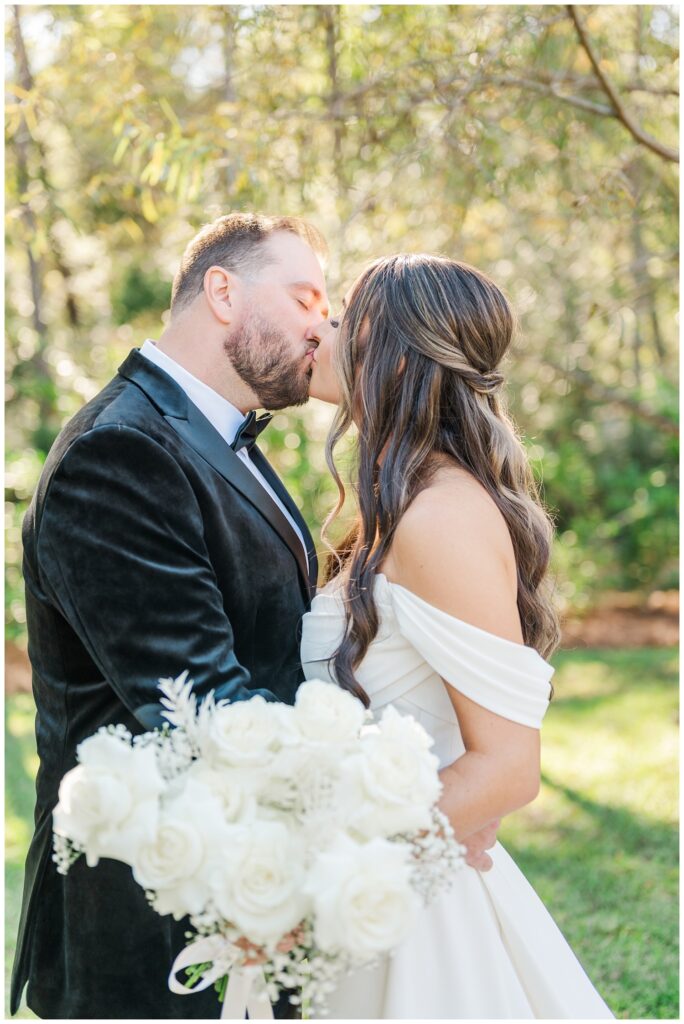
149	548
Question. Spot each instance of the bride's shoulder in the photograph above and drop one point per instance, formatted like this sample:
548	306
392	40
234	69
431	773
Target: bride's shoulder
452	548
456	509
457	489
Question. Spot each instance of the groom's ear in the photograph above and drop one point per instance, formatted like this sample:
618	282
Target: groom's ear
220	287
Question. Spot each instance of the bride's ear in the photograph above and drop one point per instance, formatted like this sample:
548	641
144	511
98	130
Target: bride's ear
402	366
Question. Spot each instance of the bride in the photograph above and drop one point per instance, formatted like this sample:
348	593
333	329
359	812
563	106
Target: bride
437	602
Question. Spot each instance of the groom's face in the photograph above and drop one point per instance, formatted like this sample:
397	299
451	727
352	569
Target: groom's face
284	303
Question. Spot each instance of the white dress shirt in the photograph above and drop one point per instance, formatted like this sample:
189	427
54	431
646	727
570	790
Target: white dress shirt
223	416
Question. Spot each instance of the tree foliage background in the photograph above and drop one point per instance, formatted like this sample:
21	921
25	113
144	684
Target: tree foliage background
538	142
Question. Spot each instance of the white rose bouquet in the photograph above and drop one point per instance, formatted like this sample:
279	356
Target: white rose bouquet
301	841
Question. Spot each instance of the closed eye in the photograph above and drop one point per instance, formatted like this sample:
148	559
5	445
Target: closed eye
303	304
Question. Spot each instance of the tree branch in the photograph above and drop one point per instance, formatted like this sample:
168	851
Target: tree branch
549	89
620	111
26	81
442	85
582	82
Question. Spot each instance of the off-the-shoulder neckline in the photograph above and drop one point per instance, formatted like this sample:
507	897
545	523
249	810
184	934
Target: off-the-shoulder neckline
439	611
524	649
462	622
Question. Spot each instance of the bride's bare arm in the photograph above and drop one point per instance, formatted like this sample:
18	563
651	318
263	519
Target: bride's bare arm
452	548
499	772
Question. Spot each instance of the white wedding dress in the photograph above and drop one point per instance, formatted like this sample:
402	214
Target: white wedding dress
487	948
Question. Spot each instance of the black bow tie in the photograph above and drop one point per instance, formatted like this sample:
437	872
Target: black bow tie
250	430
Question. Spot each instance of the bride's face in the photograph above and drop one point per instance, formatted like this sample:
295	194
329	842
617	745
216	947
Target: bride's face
324	378
324	384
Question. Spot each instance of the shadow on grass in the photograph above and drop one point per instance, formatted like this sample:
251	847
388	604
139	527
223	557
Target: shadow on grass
636	834
609	877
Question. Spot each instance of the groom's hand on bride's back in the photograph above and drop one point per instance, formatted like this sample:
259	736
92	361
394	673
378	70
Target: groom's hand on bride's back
478	843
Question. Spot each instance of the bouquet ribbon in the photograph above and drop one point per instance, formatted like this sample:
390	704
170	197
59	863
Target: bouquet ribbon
246	990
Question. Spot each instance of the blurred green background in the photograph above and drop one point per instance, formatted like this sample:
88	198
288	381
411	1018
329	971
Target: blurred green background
538	143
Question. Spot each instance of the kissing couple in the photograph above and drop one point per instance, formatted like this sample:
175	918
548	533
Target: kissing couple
160	539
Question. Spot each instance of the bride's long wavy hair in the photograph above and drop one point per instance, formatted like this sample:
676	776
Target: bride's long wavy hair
417	360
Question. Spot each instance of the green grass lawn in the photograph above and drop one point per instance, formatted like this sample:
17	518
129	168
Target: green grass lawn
599	844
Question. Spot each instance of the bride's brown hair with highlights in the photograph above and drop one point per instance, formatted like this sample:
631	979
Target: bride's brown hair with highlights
417	361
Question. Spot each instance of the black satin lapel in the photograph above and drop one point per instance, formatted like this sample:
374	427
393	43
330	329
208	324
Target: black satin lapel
161	389
267	470
197	431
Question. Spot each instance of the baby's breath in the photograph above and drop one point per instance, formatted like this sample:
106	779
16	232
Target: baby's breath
65	853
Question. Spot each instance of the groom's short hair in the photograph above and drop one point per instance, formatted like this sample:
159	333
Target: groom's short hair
236	242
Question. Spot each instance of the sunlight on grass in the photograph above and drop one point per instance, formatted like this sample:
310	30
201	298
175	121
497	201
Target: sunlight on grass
587	679
617	742
18	832
21	763
20	719
600	842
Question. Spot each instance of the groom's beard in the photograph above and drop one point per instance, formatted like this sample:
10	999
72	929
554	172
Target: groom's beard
261	356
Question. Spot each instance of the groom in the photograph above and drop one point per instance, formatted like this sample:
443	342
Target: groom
160	539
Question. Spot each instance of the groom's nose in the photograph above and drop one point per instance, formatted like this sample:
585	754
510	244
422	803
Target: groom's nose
313	334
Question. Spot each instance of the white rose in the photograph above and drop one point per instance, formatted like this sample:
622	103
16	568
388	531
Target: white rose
404	729
109	803
394	777
325	713
243	733
280	784
234	789
362	896
185	850
307	782
259	887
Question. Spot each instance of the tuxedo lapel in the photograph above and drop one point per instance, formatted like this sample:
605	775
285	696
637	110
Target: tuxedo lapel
267	470
196	430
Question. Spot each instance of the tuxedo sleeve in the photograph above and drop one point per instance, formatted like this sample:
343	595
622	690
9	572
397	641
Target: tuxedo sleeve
122	553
